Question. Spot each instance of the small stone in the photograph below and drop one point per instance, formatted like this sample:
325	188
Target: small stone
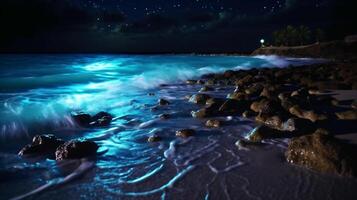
200	82
263	132
101	119
201	113
163	102
213	123
237	96
244	144
354	104
274	121
347	115
199	98
306	114
234	106
248	114
298	125
82	119
185	133
164	116
154	138
191	82
206	89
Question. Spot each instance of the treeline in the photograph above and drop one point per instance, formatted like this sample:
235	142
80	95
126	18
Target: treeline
294	36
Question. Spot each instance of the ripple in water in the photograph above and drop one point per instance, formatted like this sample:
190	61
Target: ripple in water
41	92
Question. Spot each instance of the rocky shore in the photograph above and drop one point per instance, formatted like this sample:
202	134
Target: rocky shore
293	102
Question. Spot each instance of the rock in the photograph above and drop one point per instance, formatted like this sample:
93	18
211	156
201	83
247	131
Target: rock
208	111
275	121
332	85
185	133
254	90
266	93
164	116
187	97
354	104
213	123
267	106
347	115
42	145
244	144
302	92
210	82
163	102
199	98
287	104
76	149
298	126
200	82
270	91
154	138
151	94
248	114
101	119
232	106
315	92
246	79
214	101
264	132
82	119
191	82
322	153
206	89
237	96
306	114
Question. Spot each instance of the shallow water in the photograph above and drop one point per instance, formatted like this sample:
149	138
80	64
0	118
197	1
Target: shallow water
38	93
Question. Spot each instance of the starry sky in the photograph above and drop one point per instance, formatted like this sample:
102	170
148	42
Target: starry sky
157	26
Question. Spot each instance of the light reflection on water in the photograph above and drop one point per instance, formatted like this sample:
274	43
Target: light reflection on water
38	93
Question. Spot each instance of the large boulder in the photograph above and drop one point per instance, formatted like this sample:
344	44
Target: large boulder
76	149
42	145
321	152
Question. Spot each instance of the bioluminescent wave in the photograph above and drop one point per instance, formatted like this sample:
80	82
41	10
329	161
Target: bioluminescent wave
38	93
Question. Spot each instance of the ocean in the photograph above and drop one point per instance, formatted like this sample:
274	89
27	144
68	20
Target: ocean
38	94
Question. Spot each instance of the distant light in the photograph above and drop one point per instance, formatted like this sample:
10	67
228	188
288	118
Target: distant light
262	41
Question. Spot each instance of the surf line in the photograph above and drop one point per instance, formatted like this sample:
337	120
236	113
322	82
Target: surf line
82	169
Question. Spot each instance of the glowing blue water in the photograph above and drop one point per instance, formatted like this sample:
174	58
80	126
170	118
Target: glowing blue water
38	93
46	88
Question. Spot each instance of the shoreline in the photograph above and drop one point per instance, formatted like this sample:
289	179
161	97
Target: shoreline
287	114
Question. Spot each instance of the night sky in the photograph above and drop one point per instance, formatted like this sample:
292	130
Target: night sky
154	26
